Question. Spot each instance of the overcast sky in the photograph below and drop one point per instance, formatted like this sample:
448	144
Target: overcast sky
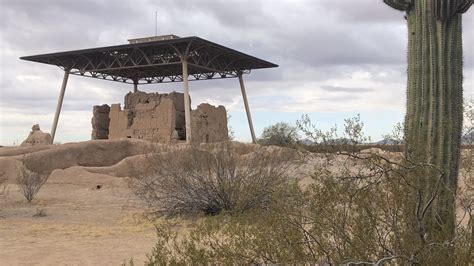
336	58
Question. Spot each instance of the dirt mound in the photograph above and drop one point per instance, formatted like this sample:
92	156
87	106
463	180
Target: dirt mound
89	153
17	150
120	158
143	163
8	168
130	166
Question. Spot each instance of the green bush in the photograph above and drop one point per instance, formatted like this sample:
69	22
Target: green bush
280	134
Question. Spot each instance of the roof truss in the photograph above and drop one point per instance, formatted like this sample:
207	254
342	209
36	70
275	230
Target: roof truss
155	62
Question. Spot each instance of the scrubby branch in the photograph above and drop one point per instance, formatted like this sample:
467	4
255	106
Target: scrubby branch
30	182
212	179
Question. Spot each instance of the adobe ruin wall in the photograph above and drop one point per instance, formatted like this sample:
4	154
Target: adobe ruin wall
158	118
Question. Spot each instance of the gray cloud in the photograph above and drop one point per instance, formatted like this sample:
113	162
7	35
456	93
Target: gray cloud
330	88
322	46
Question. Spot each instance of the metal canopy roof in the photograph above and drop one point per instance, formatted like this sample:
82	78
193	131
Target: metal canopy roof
155	62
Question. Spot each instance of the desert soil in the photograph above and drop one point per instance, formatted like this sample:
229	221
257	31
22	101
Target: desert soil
83	225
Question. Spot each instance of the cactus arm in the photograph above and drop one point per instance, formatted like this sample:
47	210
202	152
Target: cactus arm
402	5
446	9
465	5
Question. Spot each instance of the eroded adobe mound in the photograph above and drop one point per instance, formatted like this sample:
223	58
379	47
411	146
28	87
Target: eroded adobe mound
96	153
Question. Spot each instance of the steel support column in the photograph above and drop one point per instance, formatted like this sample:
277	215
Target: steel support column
59	105
247	109
187	104
135	86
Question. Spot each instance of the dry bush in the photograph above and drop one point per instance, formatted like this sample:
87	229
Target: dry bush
29	182
357	216
40	213
3	186
362	209
213	178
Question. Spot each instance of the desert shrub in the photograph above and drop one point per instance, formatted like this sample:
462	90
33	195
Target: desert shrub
213	178
335	148
40	213
280	134
238	240
332	140
361	209
230	129
29	182
396	139
352	216
3	186
4	191
30	177
468	123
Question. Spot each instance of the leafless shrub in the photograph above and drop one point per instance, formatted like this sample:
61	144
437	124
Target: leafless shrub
40	213
3	186
29	182
213	178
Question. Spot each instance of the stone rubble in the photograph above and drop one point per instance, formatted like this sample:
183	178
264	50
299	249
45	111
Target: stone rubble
37	137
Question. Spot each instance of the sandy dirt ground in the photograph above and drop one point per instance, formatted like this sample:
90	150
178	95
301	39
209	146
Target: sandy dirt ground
83	225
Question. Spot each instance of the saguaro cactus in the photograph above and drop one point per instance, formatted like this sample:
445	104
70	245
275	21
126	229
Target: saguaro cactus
433	123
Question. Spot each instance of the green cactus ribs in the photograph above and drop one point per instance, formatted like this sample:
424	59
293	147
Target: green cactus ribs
443	10
433	122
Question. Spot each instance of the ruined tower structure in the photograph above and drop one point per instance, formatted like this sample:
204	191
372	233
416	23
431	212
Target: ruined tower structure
158	118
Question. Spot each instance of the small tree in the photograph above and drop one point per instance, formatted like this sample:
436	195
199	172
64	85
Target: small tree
280	134
230	129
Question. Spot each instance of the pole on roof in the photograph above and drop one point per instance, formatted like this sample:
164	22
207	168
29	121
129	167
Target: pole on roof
247	108
135	86
156	23
59	105
187	105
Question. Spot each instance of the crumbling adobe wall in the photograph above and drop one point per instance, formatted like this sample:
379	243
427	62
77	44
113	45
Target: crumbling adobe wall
209	124
37	137
100	122
160	118
149	116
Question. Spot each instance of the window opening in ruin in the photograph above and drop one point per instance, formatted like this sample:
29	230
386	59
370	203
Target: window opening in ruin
130	117
204	116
